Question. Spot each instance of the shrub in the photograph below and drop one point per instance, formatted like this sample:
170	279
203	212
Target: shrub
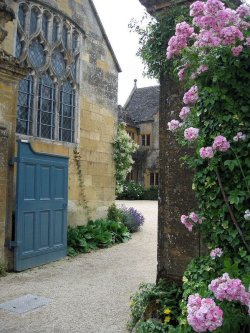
131	191
2	270
94	235
124	147
114	214
151	193
132	219
159	302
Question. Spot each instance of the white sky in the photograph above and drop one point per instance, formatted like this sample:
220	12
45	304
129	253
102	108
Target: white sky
115	16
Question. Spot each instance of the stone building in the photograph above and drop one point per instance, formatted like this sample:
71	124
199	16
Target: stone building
141	114
60	104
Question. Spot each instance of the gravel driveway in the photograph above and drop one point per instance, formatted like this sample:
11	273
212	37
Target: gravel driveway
90	293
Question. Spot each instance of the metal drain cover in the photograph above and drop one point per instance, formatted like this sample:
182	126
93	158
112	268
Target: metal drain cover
25	303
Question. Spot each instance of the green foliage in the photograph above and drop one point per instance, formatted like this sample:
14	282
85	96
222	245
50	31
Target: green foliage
96	234
114	213
2	270
153	40
150	301
124	147
151	193
131	191
135	191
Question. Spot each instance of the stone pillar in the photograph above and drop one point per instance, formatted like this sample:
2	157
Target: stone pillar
176	245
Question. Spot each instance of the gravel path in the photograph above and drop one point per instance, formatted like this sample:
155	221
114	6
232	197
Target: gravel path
90	293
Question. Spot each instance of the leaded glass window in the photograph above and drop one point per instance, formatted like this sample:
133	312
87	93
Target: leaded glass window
25	106
46	108
67	113
33	20
65	36
55	30
47	98
58	63
74	40
45	25
21	16
36	54
18	45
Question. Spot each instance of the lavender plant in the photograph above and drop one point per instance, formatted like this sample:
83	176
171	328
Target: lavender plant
132	219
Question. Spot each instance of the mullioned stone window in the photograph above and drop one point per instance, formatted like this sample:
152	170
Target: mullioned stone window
50	45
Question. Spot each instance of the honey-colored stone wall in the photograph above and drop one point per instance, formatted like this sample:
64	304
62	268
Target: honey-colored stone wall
9	76
92	153
147	157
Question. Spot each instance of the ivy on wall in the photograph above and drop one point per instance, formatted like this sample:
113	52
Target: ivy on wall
82	197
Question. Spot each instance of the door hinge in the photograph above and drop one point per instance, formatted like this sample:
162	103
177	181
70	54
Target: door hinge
12	244
12	161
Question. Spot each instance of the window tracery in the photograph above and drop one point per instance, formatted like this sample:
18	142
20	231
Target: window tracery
47	98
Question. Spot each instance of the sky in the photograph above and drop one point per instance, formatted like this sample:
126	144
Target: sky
115	16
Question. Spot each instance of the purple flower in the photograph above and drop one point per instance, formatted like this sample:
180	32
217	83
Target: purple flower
132	218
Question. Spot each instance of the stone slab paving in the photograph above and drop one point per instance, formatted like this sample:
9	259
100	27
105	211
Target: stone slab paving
89	293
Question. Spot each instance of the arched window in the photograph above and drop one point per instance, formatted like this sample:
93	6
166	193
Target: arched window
47	98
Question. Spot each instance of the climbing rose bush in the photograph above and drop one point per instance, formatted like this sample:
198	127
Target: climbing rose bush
212	57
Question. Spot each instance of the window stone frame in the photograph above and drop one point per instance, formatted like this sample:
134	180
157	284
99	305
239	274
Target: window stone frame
49	48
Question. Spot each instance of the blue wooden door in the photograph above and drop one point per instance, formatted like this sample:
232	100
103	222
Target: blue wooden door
41	208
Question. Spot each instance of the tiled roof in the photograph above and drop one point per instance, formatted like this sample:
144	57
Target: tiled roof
143	104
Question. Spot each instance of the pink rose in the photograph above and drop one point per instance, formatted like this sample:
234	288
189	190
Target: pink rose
237	50
191	133
221	143
173	125
184	112
206	152
191	96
